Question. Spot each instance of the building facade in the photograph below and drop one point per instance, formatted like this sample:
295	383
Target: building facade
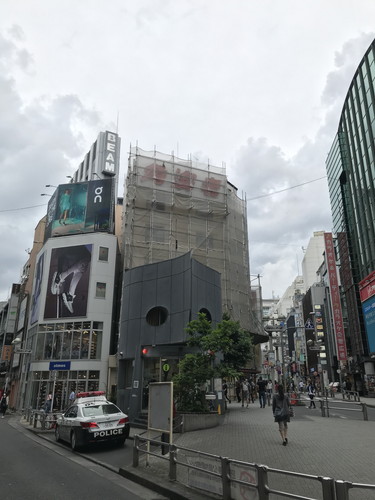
351	177
173	207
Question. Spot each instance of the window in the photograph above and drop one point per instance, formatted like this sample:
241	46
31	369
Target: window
103	254
100	290
157	316
207	313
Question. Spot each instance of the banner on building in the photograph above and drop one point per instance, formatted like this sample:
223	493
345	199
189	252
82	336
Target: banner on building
367	294
37	286
338	323
82	207
68	282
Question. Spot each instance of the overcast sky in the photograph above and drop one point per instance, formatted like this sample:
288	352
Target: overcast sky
256	84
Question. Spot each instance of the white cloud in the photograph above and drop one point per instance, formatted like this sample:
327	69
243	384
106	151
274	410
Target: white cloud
254	85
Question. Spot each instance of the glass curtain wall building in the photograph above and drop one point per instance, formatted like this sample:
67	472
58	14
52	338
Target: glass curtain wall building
351	176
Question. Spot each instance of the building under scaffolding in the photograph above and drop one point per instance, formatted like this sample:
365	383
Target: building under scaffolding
176	206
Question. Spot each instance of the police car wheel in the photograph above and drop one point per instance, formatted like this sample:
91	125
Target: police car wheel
73	442
120	442
57	434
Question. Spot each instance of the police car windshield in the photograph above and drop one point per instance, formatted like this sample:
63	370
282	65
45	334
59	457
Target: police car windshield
97	410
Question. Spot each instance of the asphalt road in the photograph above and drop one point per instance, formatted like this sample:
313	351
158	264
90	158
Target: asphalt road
39	469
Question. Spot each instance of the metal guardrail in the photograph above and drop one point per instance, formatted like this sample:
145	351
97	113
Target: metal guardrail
225	475
40	419
326	405
351	395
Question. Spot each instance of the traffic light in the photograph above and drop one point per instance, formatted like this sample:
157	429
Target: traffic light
144	351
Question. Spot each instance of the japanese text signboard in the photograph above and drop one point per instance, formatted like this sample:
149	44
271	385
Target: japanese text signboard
338	323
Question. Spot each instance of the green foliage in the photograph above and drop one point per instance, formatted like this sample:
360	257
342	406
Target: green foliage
221	352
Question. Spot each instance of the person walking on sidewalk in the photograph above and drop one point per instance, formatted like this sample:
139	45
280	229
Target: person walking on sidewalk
262	387
245	393
311	391
225	391
4	403
238	391
280	409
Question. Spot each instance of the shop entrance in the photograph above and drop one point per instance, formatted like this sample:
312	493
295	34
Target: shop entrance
157	370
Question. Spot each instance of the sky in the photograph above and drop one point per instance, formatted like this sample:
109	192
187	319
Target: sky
257	86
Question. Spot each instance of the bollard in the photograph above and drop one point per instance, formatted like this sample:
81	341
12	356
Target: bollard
225	477
364	409
328	488
262	482
172	462
136	451
322	408
342	490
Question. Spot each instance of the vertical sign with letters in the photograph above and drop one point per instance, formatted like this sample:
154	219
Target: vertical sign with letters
338	323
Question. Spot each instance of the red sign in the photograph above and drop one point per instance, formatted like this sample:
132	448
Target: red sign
338	323
367	287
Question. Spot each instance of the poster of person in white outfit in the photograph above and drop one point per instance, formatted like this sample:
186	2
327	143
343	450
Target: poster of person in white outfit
68	282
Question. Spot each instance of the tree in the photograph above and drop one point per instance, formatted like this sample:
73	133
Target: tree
219	352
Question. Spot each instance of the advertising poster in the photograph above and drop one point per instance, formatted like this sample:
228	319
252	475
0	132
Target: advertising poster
82	207
70	210
68	282
369	316
35	301
99	206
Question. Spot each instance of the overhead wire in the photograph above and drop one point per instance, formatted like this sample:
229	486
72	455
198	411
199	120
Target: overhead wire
248	199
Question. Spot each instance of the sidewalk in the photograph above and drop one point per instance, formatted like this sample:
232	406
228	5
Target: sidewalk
340	448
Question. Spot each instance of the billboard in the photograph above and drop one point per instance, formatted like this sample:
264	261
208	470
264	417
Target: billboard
368	308
338	323
68	282
82	207
35	301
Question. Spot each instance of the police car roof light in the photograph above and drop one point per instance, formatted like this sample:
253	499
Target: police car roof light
90	394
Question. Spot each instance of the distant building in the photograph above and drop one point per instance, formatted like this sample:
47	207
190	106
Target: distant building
313	259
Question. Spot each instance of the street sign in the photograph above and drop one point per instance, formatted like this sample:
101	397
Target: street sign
59	365
309	325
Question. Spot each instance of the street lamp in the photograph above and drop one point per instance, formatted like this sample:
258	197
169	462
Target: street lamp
16	342
22	365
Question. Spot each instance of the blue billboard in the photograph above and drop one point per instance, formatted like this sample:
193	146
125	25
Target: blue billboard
81	207
368	308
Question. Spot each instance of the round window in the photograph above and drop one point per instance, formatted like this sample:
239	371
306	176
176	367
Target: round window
157	316
207	313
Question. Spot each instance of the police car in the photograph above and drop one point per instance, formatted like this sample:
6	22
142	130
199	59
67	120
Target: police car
92	419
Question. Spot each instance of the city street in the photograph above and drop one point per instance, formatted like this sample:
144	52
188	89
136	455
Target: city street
340	447
32	467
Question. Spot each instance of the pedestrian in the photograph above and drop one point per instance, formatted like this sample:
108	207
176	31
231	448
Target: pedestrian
281	412
238	391
252	391
225	391
311	391
262	387
245	393
72	397
301	386
48	404
4	403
